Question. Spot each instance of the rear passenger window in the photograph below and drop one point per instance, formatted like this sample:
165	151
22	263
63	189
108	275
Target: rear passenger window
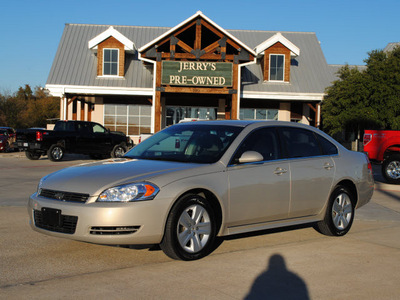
300	142
327	147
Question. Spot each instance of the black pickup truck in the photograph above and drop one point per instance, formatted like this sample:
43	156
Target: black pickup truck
72	137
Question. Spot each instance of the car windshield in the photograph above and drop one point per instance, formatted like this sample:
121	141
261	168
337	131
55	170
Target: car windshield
188	143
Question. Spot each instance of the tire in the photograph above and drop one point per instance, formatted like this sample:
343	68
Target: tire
118	151
190	229
339	215
32	155
55	152
391	168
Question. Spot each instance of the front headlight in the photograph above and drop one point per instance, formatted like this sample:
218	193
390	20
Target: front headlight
129	192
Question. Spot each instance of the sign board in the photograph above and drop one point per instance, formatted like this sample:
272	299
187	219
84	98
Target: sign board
197	73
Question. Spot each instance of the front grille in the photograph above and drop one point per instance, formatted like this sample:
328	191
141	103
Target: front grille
64	196
114	230
67	224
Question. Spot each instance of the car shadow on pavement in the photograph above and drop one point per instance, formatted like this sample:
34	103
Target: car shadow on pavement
277	282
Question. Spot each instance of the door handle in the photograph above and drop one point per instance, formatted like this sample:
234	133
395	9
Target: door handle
279	171
328	166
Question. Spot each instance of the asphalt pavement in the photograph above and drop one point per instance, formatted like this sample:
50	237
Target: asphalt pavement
294	263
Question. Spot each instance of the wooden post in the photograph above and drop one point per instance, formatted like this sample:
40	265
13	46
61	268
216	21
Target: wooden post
157	100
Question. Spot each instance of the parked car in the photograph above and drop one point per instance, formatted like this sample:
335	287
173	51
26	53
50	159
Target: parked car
192	182
383	147
72	137
7	136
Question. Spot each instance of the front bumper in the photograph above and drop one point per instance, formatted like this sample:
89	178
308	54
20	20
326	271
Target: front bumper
131	223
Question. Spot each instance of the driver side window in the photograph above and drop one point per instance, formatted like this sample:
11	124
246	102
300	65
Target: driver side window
264	141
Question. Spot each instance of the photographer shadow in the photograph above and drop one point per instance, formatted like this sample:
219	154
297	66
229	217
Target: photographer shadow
277	282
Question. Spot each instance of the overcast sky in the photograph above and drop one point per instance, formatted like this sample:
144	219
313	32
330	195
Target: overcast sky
347	29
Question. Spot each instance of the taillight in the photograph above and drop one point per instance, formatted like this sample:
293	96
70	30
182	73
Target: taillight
367	138
39	136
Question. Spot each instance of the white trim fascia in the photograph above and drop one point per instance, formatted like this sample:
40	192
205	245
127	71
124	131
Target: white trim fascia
283	96
278	37
153	95
129	45
199	13
60	90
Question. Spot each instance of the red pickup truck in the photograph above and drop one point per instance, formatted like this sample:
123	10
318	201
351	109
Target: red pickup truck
383	146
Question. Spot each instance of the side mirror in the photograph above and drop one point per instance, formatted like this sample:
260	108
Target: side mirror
250	156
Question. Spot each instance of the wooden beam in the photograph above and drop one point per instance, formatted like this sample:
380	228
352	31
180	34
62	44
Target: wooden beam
312	107
212	47
197	41
185	47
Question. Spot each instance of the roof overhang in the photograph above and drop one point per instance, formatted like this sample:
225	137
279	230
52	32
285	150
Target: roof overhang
111	31
197	14
60	90
283	96
278	37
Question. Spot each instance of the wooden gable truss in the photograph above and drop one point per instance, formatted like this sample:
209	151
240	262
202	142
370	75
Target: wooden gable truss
197	40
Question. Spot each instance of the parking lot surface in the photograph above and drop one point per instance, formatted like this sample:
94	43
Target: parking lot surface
277	264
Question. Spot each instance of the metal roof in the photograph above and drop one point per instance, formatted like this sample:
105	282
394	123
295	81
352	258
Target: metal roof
76	65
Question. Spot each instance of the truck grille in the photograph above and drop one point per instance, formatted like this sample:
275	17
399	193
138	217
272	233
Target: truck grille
67	224
64	196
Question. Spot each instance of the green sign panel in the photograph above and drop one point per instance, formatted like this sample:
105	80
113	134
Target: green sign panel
197	73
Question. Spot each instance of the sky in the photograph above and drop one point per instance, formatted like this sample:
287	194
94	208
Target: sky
30	31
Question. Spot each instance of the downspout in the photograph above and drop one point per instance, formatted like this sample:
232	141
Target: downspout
239	83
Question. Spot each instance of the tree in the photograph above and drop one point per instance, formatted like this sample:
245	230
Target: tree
365	99
28	109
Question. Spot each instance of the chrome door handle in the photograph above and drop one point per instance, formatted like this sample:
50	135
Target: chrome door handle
279	171
328	166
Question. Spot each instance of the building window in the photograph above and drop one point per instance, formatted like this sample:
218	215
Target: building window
130	119
110	62
276	67
258	114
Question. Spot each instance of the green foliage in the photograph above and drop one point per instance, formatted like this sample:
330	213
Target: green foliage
367	99
26	108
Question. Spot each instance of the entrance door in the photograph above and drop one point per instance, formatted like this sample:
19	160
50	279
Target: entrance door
176	114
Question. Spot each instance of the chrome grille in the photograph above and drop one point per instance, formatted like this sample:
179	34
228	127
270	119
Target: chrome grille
64	196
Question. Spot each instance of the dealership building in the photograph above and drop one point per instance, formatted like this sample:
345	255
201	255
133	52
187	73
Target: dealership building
139	79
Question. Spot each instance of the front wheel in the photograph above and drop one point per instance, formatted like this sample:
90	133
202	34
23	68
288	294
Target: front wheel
55	153
32	155
339	215
190	230
391	168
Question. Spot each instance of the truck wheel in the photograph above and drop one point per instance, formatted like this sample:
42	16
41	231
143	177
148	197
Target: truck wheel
55	153
32	155
118	151
391	168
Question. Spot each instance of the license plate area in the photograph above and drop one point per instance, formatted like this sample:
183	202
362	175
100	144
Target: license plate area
51	217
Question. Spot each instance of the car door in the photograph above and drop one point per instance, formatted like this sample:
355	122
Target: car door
259	191
312	171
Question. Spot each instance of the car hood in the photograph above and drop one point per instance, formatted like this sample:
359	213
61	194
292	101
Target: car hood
93	178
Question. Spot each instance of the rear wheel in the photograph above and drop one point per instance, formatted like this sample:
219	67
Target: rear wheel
339	215
190	230
32	155
391	168
55	153
118	151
